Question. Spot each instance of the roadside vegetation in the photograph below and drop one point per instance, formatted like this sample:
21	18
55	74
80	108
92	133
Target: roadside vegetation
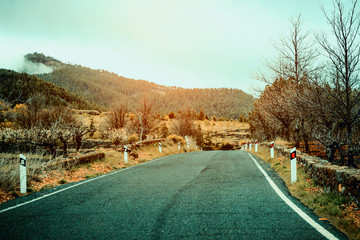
337	209
312	91
312	101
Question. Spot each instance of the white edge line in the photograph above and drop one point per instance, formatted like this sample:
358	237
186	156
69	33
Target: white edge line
78	184
302	214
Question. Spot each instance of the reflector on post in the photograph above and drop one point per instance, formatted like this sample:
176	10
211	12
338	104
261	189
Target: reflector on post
293	165
23	186
125	154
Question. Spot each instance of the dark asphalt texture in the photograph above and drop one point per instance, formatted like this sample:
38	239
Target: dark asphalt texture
198	195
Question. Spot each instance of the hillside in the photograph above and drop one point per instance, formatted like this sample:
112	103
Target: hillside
107	88
19	87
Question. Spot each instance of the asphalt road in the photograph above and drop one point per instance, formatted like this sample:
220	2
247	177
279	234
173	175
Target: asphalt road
199	195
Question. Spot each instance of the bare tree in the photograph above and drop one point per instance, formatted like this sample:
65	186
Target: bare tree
79	132
273	109
145	122
116	119
45	137
296	55
30	114
55	124
282	102
341	85
184	124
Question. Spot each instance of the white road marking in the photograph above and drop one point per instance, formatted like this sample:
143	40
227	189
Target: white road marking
308	219
78	184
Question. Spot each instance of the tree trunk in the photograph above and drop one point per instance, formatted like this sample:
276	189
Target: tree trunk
288	133
306	143
78	141
65	148
331	152
349	148
141	128
64	142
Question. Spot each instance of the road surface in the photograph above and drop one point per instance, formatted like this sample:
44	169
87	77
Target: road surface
198	195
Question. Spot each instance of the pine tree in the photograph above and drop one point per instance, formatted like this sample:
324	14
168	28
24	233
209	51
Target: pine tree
201	115
172	115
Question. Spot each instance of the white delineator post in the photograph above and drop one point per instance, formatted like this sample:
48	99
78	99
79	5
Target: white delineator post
293	165
250	146
187	141
125	154
22	174
272	150
179	147
256	145
160	147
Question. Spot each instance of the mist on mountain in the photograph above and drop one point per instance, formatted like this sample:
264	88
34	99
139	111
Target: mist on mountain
30	67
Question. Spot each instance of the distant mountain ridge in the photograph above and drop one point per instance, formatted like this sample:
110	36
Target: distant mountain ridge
107	89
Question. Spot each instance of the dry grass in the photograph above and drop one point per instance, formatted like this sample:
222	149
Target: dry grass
9	167
37	166
339	210
222	126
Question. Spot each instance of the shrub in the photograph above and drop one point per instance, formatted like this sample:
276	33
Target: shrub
164	131
201	115
116	140
118	136
184	124
227	146
133	138
116	119
176	139
63	181
172	115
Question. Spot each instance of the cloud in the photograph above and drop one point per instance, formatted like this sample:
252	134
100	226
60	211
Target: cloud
33	68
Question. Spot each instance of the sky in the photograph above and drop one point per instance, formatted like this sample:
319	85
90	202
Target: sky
185	43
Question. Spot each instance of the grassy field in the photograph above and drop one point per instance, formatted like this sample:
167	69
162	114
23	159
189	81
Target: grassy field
339	210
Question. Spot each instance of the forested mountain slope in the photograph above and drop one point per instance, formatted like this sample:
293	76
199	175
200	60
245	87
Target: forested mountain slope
107	89
20	87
